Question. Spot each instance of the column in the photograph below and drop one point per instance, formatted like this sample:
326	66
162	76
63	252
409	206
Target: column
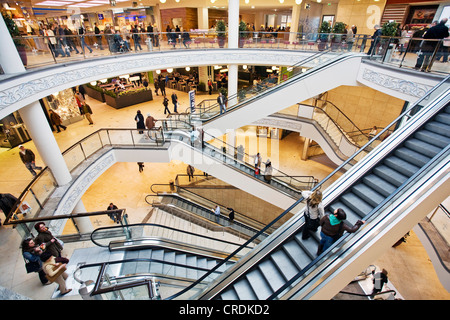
294	22
202	14
84	224
39	130
9	57
233	42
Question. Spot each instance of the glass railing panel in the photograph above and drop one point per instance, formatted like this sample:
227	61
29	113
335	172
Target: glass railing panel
415	53
90	145
74	156
140	292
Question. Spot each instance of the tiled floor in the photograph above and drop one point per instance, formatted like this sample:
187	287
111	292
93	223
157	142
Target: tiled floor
407	264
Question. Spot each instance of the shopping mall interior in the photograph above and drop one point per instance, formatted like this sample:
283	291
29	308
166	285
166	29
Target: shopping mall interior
311	111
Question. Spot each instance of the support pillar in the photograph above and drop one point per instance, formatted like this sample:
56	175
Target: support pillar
39	130
294	22
9	57
84	224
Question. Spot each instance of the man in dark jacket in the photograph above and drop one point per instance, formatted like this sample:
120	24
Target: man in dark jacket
46	240
28	158
333	226
438	32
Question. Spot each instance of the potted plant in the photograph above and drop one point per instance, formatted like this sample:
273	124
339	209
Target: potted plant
14	32
243	33
324	29
388	29
338	30
220	29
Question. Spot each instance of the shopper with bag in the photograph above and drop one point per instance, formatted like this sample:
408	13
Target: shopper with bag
55	271
31	254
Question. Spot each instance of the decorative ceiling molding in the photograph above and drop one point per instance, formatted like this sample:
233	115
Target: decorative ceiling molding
32	86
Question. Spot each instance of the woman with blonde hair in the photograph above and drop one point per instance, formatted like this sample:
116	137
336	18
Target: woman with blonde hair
313	213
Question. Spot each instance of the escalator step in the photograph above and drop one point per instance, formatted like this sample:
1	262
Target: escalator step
443	117
380	185
401	166
435	139
411	156
439	127
422	147
297	253
271	274
259	284
390	175
368	194
244	290
356	204
284	264
229	294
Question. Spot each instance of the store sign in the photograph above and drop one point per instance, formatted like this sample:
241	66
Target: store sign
100	16
192	100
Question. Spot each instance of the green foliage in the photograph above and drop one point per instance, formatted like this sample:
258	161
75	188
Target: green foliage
325	27
13	29
243	30
389	29
224	91
201	86
220	28
339	27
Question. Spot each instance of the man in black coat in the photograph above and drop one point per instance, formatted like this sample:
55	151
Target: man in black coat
7	202
439	31
28	158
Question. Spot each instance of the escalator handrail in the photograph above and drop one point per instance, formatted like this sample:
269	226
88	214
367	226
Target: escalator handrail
156	225
249	165
243	225
405	113
295	78
340	112
298	64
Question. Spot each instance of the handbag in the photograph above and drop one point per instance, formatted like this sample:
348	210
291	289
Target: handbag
61	270
32	266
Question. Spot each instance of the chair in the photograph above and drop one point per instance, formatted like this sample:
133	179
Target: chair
310	44
295	43
286	43
197	42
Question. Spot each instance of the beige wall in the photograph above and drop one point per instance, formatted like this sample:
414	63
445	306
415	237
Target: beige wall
364	14
365	106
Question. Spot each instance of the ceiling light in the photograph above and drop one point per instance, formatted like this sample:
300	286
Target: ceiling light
169	70
187	68
247	1
281	1
298	1
162	1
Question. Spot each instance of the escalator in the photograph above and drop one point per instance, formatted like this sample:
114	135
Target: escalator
298	83
284	265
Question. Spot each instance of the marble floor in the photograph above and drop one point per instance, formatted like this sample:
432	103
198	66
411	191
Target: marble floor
410	269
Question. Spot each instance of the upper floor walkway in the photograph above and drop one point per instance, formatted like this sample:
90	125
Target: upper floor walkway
393	74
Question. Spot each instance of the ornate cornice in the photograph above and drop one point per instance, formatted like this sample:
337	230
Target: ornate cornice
410	88
32	86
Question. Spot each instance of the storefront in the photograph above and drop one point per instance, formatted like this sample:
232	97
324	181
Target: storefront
65	105
13	131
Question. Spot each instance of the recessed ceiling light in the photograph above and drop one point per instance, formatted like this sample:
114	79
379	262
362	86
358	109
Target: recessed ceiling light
52	3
